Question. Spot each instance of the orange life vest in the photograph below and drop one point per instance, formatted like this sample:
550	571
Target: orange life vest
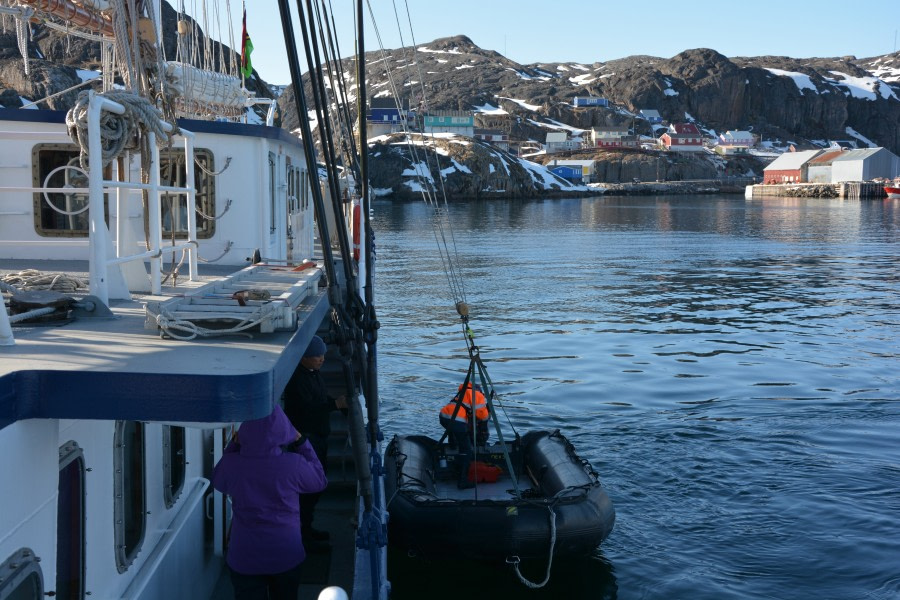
481	411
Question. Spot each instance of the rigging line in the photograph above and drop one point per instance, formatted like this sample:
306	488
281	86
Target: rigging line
336	88
320	100
454	279
336	52
232	59
428	194
412	36
425	190
344	105
306	137
410	82
370	319
460	291
65	91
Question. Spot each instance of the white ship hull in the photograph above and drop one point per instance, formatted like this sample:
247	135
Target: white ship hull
102	495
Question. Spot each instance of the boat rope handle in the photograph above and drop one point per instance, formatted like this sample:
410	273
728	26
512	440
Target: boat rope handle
214	217
212	173
514	560
219	257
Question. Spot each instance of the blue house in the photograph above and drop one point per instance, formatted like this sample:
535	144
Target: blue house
385	116
581	101
568	173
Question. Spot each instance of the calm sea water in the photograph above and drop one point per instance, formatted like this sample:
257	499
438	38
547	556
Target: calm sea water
728	366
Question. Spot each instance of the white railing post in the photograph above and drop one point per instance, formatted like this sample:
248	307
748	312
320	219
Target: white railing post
190	200
99	239
121	208
6	334
155	218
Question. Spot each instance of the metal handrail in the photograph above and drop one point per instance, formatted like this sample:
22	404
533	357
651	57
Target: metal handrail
99	261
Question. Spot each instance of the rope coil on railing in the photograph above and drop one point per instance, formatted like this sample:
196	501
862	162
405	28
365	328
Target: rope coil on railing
117	132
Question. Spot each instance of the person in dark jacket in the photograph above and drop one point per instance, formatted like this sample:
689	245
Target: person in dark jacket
264	481
308	405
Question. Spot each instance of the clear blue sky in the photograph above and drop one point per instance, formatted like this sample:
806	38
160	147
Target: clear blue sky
585	31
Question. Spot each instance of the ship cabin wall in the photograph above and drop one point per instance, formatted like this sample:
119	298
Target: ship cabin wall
41	512
30	479
265	179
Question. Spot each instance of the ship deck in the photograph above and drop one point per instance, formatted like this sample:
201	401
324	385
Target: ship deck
116	368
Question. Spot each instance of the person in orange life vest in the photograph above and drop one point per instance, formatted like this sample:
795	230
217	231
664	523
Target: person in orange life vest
459	418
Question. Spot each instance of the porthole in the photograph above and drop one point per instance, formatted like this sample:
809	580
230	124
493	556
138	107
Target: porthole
174	463
70	524
21	577
130	499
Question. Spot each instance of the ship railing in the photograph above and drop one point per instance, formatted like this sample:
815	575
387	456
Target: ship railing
6	334
99	242
98	237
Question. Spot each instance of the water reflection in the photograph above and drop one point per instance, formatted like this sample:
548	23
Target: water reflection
729	367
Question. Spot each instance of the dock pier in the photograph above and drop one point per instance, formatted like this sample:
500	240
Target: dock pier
848	190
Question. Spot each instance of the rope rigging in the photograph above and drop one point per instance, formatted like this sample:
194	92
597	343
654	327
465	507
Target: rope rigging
447	248
441	224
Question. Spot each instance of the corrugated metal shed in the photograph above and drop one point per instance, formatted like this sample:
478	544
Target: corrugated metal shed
792	160
825	159
865	165
819	168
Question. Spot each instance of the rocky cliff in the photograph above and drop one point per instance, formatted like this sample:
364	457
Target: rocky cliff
405	168
804	102
801	101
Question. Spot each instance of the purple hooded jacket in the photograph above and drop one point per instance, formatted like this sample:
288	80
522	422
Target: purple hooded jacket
265	483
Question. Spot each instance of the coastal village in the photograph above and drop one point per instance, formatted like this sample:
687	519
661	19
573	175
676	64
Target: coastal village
838	169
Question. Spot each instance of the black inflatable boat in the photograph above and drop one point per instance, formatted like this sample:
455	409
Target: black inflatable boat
557	502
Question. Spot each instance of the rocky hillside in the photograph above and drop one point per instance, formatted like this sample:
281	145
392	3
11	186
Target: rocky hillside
804	102
459	167
801	101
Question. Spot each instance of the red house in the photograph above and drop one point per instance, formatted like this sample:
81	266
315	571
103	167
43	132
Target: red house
682	137
790	167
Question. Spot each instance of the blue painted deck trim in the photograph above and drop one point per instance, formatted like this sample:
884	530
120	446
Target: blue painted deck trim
217	127
198	397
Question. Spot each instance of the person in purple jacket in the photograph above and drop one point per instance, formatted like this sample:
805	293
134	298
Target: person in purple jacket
265	481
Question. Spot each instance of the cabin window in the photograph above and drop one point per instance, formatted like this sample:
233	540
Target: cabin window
273	202
65	215
70	524
172	172
304	190
130	501
21	577
58	214
174	463
291	192
297	193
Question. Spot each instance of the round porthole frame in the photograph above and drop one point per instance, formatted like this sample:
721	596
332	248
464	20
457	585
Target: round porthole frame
16	569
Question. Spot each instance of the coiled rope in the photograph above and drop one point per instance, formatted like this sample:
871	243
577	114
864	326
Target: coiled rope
117	132
32	279
170	324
